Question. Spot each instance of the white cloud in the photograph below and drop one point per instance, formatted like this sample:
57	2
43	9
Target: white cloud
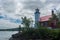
19	7
6	24
43	1
58	7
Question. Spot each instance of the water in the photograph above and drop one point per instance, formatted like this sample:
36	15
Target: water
5	35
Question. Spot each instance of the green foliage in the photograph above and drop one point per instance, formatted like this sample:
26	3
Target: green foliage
54	17
58	13
42	33
58	24
26	22
37	25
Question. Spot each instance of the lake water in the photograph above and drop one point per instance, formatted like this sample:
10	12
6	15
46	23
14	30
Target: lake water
5	35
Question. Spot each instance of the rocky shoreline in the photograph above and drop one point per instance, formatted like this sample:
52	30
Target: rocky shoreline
18	36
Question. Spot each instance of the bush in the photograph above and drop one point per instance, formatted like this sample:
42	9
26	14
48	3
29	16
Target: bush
39	33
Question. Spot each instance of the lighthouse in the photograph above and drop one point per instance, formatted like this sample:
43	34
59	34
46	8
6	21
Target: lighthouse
37	16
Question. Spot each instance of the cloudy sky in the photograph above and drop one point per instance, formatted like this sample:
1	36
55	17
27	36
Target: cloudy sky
11	11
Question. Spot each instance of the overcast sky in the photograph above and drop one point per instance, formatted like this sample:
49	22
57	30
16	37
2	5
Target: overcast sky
11	11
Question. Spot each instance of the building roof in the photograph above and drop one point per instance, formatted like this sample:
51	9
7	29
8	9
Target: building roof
45	18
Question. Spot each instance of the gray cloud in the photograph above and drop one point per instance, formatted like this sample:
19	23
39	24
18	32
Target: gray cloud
30	4
33	4
8	6
53	1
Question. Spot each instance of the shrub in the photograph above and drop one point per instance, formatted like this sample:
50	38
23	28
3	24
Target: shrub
41	33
